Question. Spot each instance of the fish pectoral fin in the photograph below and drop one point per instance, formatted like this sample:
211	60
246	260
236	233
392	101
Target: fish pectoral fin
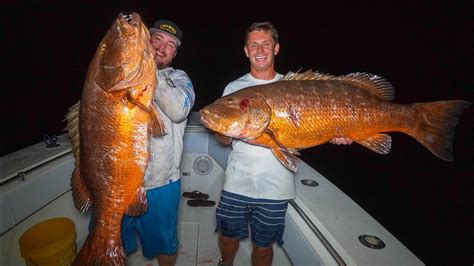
286	155
139	204
272	137
156	126
80	194
294	151
379	143
287	159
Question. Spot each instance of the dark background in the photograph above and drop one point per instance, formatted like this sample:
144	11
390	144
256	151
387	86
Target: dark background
424	48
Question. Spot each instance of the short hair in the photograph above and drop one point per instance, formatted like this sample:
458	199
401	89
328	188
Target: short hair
265	26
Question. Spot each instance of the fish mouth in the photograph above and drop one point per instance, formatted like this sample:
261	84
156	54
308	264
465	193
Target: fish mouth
207	119
133	19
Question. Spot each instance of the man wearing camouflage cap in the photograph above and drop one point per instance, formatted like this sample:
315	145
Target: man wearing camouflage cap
173	100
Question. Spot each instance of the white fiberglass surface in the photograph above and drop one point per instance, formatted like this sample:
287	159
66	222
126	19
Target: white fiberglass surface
197	236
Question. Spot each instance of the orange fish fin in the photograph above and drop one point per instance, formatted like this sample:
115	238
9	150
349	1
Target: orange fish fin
156	126
294	151
271	136
287	156
308	75
139	203
287	159
96	252
435	126
376	85
72	127
80	194
379	143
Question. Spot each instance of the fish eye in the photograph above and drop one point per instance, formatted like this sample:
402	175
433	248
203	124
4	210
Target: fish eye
230	101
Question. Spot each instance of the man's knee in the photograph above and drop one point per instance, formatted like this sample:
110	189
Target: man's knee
228	240
263	251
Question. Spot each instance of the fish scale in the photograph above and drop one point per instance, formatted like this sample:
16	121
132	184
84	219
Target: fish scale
110	130
305	110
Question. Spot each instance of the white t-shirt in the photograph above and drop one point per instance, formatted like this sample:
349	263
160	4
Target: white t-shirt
252	170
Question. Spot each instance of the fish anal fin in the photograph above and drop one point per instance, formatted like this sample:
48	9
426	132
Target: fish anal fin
379	143
80	194
287	159
139	204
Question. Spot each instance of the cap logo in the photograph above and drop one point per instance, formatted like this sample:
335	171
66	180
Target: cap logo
168	28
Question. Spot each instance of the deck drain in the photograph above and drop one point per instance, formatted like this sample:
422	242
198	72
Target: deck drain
371	241
203	165
309	182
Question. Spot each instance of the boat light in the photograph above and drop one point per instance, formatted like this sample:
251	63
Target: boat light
371	241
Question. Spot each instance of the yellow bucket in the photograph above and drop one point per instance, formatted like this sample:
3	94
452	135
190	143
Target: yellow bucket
50	242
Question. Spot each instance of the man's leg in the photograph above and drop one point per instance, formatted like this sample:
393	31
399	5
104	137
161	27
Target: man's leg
262	256
268	225
158	228
228	247
167	260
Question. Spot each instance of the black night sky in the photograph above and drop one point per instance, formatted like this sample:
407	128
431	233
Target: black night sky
424	48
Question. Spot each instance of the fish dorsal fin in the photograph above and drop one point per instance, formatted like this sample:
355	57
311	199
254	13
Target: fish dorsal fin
72	127
308	75
374	84
80	194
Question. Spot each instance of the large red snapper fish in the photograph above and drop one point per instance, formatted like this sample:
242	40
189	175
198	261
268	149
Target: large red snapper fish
305	110
110	129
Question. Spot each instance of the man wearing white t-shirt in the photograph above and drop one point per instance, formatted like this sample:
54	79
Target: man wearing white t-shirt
257	186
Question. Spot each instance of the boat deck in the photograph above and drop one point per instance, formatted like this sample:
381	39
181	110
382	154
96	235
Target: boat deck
198	240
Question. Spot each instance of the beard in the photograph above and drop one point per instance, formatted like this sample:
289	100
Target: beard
161	65
163	62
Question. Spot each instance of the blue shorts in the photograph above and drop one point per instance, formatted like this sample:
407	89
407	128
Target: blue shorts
157	227
266	218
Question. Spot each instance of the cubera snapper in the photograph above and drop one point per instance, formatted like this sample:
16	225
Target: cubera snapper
308	109
110	129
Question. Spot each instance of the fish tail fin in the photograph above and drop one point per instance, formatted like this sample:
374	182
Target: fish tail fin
92	252
436	124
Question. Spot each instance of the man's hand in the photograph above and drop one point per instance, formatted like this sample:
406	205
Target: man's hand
224	140
341	141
